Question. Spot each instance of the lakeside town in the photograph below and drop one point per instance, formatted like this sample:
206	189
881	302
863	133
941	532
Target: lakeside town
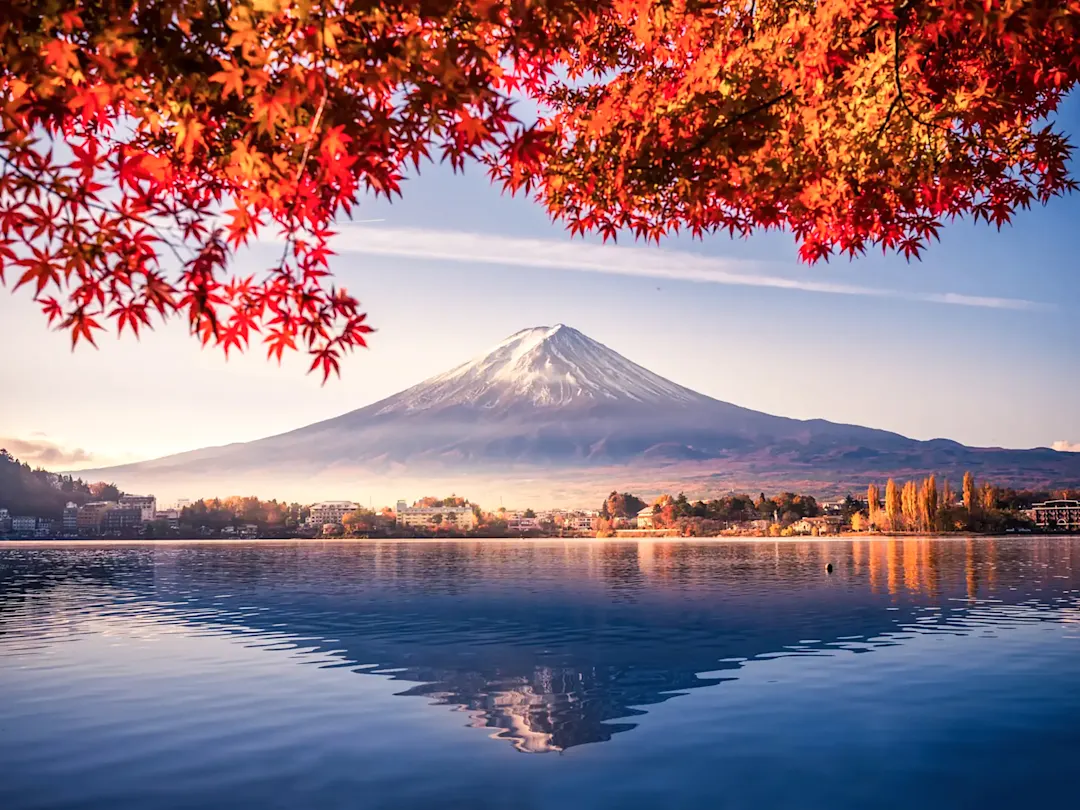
37	504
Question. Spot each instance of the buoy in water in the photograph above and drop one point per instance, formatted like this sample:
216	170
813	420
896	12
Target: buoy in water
828	568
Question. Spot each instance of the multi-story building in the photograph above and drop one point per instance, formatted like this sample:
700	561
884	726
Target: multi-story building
1059	515
23	524
146	504
70	522
5	521
523	524
461	518
120	519
46	528
581	522
330	512
91	515
170	516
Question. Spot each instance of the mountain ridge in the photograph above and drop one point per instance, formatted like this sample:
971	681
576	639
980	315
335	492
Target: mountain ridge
551	401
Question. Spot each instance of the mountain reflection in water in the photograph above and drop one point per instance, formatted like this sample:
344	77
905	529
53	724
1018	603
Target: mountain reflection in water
552	644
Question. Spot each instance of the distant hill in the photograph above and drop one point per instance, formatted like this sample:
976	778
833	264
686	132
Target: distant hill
26	491
549	412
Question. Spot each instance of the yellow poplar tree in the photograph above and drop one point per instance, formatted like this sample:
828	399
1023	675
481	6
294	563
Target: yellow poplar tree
893	507
928	503
909	505
969	491
873	498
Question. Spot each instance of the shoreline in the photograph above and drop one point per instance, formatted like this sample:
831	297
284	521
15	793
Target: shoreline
431	540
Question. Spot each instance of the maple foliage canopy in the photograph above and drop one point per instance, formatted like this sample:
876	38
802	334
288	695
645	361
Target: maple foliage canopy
144	142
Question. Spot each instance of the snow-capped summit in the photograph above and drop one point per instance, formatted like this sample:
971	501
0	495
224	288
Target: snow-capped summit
545	366
549	400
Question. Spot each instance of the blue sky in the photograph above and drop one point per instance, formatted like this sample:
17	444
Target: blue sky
456	266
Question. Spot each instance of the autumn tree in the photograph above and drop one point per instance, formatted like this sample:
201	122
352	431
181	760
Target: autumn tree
860	522
101	491
621	505
909	504
359	520
933	503
947	497
969	492
873	504
893	505
849	122
143	144
928	504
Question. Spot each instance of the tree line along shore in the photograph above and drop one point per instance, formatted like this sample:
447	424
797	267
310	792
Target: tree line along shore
924	506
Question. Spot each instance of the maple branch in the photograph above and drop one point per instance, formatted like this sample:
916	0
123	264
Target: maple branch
727	124
900	21
735	119
66	195
307	147
300	171
888	117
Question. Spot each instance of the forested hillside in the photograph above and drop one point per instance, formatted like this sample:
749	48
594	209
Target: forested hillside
25	491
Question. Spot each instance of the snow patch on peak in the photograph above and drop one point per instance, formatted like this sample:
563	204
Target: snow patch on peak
545	366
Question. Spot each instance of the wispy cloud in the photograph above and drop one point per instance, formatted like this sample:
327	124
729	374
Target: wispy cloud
42	452
1066	447
646	262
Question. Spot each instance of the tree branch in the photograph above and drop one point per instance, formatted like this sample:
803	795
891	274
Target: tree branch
727	124
66	195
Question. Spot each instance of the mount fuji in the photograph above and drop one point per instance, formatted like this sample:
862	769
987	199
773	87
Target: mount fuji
551	413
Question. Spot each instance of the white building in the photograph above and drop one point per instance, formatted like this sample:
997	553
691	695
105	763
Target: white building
523	524
71	518
23	524
461	518
146	504
1056	515
645	518
581	522
330	512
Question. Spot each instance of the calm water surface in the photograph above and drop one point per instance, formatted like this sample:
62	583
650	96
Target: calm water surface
541	674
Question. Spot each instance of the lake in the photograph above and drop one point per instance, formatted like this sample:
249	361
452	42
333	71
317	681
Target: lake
934	673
